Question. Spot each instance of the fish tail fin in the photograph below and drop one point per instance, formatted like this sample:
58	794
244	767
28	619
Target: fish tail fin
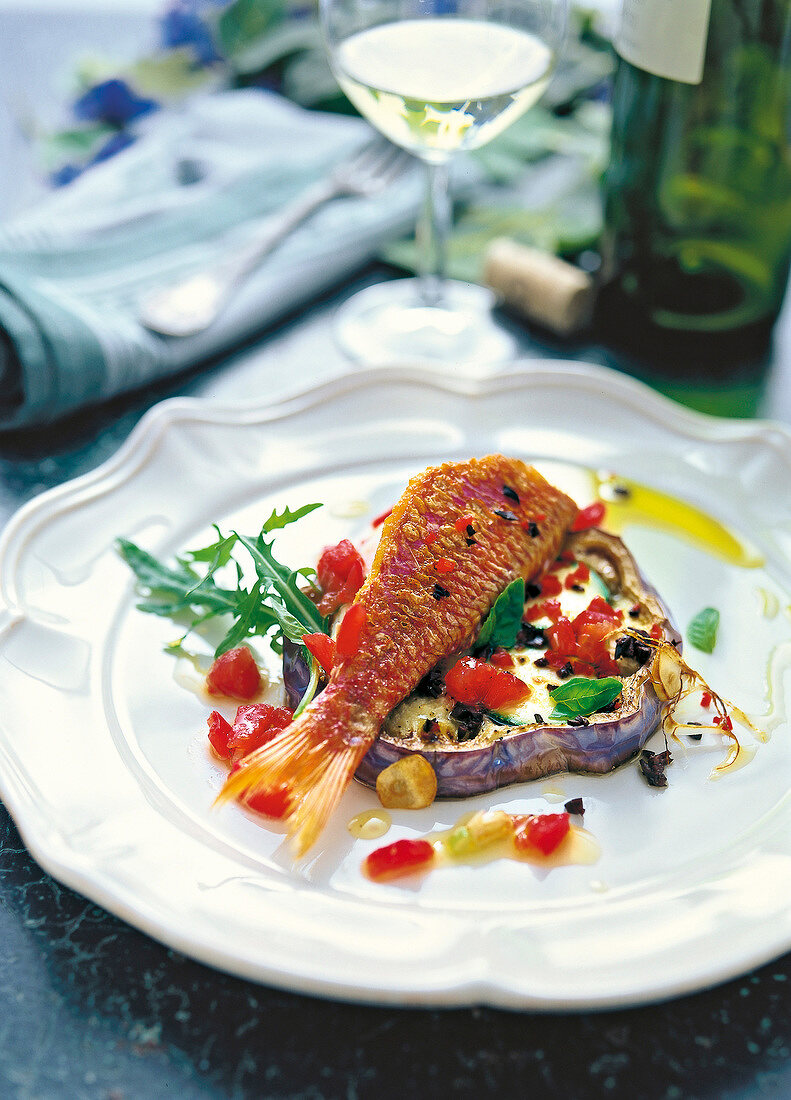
315	771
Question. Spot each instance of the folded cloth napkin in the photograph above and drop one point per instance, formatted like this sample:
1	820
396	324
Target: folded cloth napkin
73	269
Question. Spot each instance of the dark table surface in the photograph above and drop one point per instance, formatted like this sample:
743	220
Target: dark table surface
93	1009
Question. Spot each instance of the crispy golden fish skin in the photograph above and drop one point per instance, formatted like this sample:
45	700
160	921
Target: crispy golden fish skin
459	534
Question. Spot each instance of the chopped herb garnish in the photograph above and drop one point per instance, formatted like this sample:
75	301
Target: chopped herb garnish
510	494
503	623
580	696
702	630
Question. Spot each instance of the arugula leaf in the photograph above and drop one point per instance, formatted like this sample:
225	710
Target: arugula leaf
580	696
187	591
702	630
502	624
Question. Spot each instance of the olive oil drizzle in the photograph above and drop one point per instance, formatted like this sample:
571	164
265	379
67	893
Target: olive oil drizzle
629	503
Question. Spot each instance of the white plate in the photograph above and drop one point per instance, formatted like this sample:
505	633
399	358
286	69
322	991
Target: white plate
103	754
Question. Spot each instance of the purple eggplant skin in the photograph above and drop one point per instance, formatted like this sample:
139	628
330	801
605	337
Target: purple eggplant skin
530	752
534	752
296	674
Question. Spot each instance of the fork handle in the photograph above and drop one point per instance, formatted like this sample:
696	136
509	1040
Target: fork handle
190	305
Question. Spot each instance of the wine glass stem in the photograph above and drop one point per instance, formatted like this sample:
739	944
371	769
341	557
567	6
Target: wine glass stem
433	231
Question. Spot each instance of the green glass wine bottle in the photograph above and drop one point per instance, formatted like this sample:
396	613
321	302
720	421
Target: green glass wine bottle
697	196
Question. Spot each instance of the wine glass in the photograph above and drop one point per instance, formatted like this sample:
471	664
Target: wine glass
437	77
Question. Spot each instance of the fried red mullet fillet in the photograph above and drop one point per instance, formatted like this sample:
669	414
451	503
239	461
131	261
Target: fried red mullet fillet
432	582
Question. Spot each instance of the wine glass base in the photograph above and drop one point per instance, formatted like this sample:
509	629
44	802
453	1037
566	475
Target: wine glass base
391	323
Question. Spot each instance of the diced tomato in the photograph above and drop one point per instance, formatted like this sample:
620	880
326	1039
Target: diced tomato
444	565
234	674
465	521
476	682
379	520
341	572
402	857
501	658
705	699
656	631
254	725
542	831
220	731
562	638
550	585
546	609
565	557
322	647
347	641
272	803
580	575
589	517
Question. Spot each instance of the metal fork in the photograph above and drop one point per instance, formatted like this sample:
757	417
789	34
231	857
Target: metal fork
190	305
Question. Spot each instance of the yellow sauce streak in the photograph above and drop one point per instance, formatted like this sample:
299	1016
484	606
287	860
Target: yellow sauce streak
370	824
661	511
578	848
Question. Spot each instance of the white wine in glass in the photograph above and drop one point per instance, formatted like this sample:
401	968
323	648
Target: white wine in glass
437	78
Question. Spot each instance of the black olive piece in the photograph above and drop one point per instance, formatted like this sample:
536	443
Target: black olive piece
695	736
653	764
574	806
533	530
541	662
579	720
577	588
505	513
532	590
630	647
469	721
565	671
539	718
621	491
439	593
510	494
531	637
432	684
634	611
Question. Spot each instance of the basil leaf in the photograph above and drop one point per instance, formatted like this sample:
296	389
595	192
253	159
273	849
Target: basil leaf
702	630
579	696
502	624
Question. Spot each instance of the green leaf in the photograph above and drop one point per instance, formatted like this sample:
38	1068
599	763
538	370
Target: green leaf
297	607
278	520
244	21
579	696
702	630
502	624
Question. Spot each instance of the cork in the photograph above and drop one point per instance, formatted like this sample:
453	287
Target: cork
543	288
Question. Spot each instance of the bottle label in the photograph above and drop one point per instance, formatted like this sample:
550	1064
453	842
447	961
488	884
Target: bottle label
665	37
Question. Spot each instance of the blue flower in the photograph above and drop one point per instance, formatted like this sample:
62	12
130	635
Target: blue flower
114	144
113	102
65	174
182	25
